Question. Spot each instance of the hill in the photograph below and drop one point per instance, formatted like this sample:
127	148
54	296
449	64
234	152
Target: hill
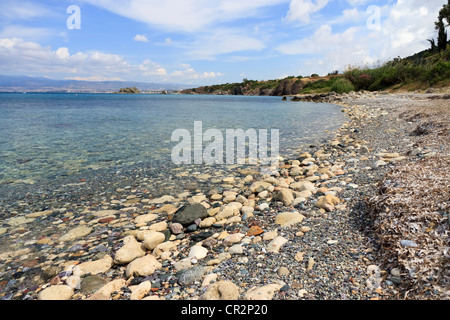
421	71
40	84
278	87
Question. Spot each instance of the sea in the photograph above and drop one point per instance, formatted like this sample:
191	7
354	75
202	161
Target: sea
53	139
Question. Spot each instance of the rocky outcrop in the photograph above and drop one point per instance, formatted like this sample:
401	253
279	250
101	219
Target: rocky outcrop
129	90
289	86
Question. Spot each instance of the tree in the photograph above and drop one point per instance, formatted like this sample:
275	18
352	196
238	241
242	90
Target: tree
444	14
442	35
433	45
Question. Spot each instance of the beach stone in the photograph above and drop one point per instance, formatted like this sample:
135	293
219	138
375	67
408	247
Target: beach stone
91	283
159	226
311	264
189	276
208	222
225	213
408	243
73	282
105	213
182	264
104	293
259	186
221	290
233	238
141	290
76	233
49	273
254	231
327	202
56	292
283	271
285	196
3	230
303	185
198	252
262	293
270	235
17	221
232	220
304	194
197	199
141	234
287	219
236	249
143	266
363	150
215	197
305	229
97	266
379	163
276	244
299	256
208	279
39	214
187	214
130	251
263	194
162	200
145	218
209	242
167	246
153	238
247	210
176	228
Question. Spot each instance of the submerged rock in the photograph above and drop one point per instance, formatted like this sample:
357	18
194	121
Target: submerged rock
189	213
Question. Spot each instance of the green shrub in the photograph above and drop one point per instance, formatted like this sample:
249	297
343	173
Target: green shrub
440	71
342	85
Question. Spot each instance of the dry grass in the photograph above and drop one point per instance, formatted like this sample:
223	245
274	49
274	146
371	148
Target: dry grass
414	204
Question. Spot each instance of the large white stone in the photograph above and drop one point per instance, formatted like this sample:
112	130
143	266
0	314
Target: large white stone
198	252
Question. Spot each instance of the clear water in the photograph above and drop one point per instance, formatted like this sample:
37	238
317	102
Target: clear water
43	136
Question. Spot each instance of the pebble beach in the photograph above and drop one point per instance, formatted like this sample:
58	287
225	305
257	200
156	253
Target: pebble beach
310	232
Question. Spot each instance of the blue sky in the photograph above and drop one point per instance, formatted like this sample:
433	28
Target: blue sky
202	42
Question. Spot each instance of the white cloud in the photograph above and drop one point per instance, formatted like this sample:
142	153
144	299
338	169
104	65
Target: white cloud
140	38
405	26
23	10
221	41
322	41
187	72
24	32
30	58
300	10
150	68
355	3
185	15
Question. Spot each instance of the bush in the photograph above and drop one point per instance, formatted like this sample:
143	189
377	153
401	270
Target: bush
342	85
440	71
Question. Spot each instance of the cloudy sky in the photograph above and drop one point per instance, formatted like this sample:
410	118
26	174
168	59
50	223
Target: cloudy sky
207	41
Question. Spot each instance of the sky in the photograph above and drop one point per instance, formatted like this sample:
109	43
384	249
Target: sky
204	42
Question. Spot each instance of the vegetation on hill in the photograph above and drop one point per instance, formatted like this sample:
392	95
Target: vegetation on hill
424	69
429	68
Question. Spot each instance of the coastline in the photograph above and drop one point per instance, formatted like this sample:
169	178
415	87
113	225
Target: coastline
329	248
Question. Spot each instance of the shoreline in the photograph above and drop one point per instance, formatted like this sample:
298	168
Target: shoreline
326	251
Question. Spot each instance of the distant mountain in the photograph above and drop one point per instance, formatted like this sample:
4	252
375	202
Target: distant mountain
40	84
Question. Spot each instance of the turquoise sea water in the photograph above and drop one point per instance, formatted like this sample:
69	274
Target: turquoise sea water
47	136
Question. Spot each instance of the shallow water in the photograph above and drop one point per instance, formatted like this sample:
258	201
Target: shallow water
56	137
